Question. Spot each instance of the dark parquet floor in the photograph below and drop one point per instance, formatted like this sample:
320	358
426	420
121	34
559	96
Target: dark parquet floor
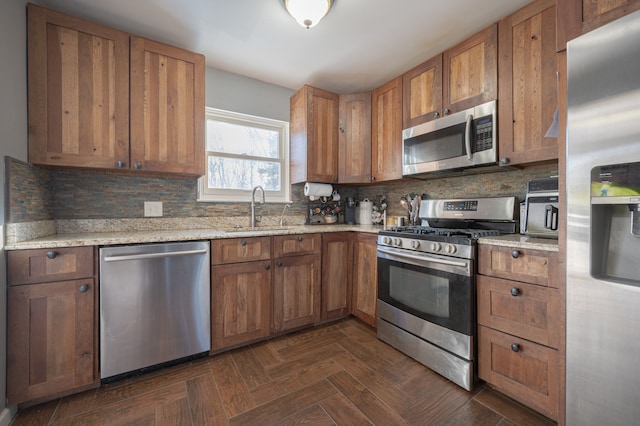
337	374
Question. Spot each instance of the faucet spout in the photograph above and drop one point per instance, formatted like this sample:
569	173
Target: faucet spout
253	204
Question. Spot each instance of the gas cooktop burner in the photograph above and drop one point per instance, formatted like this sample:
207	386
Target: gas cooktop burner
446	232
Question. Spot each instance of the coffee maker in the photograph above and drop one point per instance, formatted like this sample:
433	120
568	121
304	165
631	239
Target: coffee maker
350	211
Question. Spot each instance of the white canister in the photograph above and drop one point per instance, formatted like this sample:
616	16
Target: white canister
366	207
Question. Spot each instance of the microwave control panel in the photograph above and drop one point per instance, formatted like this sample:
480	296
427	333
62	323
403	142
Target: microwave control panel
484	133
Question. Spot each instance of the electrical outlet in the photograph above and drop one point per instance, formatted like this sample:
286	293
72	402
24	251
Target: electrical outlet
153	209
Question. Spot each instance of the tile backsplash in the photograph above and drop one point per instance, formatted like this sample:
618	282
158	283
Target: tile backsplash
40	194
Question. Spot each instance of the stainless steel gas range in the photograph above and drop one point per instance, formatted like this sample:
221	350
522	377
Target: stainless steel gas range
426	282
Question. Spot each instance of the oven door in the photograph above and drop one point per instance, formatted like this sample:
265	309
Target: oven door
437	289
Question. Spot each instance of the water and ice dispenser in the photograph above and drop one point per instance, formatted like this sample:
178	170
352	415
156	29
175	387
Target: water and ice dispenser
615	223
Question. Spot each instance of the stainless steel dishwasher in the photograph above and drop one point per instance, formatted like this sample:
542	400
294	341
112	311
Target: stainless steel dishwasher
154	304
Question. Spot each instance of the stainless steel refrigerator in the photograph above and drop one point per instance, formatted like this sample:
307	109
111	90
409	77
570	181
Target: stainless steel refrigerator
603	225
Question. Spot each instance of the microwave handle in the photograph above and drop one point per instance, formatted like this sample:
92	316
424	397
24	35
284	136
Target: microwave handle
467	137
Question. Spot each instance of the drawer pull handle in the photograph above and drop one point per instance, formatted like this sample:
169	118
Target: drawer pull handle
515	254
515	291
267	266
52	254
515	347
279	263
243	243
300	239
84	288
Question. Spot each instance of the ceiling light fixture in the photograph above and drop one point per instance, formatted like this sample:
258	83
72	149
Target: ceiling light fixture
308	12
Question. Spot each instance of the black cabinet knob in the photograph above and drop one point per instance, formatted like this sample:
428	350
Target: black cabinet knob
515	291
504	160
280	264
515	347
515	254
120	164
51	254
436	114
300	239
446	111
243	243
267	266
84	288
138	165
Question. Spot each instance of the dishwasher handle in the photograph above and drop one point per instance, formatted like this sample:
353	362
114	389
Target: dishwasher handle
140	256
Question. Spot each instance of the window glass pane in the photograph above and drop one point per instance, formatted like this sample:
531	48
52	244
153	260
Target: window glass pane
234	138
232	173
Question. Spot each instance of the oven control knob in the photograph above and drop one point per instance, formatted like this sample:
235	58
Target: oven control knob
415	244
386	240
397	242
451	249
436	247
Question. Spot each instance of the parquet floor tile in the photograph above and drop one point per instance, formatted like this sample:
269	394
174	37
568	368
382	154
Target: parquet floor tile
336	374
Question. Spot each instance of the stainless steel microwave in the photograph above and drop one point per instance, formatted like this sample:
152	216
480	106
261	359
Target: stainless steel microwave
458	141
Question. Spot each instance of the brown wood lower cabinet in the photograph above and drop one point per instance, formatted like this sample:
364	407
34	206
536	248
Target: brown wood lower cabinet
524	370
240	303
365	278
519	324
296	292
51	339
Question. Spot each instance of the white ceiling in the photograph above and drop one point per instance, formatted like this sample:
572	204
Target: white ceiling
359	46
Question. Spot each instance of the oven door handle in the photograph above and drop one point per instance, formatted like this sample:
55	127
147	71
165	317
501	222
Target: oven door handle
423	258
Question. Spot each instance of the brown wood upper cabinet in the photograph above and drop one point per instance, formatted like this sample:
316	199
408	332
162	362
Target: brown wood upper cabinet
460	78
314	136
528	84
576	17
79	74
167	108
386	131
354	138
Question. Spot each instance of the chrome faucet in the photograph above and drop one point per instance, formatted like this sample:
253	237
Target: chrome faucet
253	204
282	216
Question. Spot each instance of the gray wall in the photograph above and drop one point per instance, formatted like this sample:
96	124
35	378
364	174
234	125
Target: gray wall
13	140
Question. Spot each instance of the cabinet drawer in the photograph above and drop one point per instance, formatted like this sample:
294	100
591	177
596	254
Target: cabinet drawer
524	370
530	266
46	265
234	250
294	245
529	311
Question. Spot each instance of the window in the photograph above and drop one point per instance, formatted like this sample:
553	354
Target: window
243	151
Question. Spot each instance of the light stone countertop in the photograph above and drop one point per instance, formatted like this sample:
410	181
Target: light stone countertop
522	241
135	237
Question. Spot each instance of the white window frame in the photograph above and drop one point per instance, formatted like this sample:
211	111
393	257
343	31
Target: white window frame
235	195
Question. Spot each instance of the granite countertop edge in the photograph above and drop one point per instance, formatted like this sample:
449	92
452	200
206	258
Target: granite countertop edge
140	237
522	241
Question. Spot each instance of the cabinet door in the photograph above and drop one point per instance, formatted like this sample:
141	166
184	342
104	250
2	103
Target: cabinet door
314	136
337	258
241	303
422	93
50	336
528	84
386	131
354	138
526	265
470	71
167	108
524	370
576	17
529	311
296	292
78	96
365	278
